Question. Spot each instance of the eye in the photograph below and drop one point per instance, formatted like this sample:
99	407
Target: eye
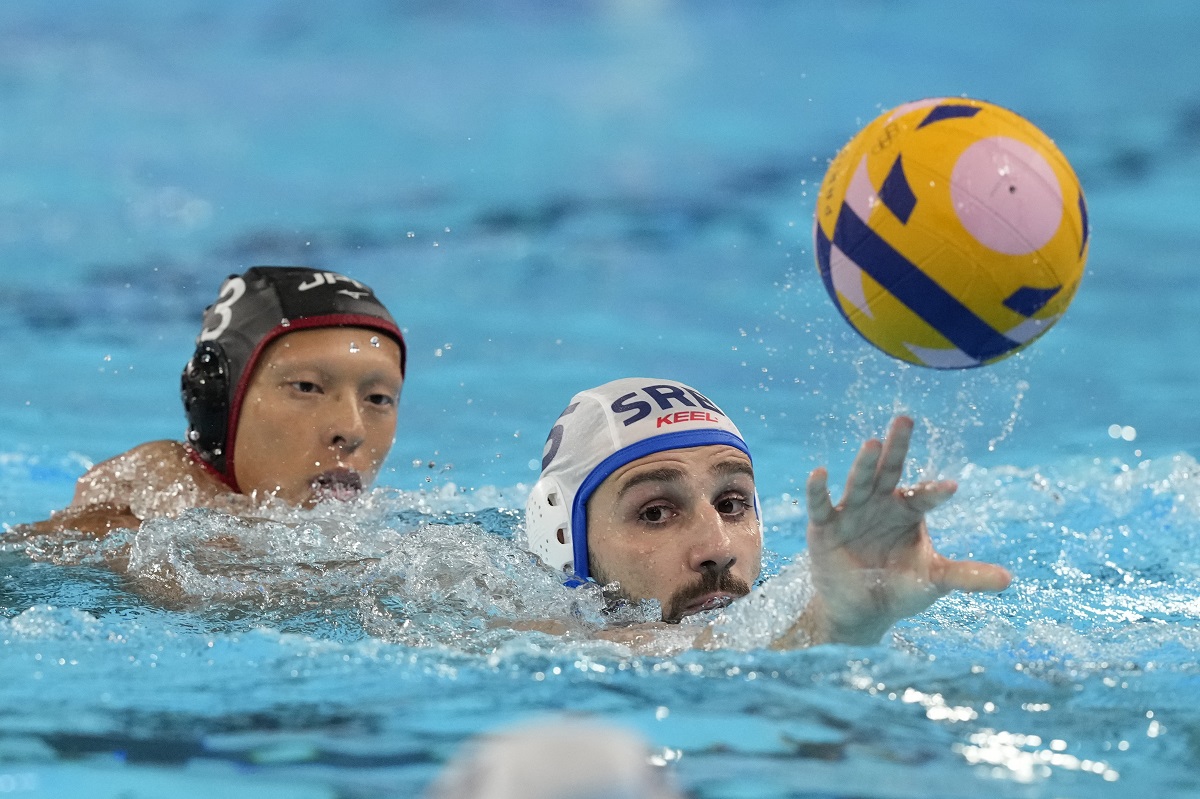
655	514
306	387
731	506
382	400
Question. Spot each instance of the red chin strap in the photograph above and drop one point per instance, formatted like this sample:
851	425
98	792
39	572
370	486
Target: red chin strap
198	459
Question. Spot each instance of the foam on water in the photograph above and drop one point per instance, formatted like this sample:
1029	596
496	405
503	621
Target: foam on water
1071	678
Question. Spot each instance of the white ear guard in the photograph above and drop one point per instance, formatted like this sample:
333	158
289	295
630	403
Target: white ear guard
548	525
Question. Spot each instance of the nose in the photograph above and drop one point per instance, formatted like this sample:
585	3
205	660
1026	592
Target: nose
346	431
712	548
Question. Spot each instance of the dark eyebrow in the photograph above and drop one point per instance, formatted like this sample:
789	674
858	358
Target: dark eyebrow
669	474
732	467
666	474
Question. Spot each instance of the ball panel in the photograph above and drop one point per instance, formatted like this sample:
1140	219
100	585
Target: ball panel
949	110
1028	300
1083	219
1030	329
916	105
909	284
941	359
1006	195
950	232
860	194
896	194
847	279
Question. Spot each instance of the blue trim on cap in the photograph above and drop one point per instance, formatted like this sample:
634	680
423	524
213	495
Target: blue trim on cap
682	439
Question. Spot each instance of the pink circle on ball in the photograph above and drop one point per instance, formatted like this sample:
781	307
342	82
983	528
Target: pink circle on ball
1006	195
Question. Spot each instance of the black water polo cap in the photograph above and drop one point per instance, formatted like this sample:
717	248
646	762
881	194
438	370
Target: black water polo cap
252	310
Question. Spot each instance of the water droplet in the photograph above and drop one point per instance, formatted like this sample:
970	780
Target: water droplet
1125	432
375	342
285	322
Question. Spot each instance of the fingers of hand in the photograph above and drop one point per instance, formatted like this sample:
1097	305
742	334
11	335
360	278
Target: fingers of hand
820	506
924	497
862	480
895	450
971	575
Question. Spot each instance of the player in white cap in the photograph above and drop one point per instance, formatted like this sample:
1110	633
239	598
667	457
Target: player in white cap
648	483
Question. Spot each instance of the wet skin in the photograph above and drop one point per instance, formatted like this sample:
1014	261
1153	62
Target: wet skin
319	415
317	421
678	526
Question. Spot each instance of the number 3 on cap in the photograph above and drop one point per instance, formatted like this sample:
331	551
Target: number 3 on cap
231	292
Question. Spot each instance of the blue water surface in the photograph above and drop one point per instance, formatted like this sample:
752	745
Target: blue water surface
550	196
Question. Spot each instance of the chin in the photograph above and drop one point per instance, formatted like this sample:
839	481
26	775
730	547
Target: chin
302	498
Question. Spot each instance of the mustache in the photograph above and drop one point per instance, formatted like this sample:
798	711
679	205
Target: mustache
711	581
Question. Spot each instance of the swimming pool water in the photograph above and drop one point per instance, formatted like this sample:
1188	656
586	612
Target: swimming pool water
549	198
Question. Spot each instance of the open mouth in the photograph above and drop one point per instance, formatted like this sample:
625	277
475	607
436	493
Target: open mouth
713	601
339	484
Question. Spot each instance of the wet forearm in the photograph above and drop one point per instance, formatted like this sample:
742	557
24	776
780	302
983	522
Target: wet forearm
817	625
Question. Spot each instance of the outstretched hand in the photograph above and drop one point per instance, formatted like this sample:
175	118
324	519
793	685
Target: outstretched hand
873	561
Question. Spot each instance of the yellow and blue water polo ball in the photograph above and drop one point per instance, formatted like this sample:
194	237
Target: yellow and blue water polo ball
951	232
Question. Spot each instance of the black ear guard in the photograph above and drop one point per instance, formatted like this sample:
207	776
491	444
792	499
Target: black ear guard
205	389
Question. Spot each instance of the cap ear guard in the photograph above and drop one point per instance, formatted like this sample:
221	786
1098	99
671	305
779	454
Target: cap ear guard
205	389
548	527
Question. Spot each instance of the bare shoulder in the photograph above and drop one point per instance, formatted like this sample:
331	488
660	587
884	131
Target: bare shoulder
152	480
158	478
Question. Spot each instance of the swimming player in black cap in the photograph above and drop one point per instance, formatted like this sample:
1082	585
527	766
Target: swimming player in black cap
291	394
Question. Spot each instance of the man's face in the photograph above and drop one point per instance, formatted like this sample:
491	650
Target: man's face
319	414
678	526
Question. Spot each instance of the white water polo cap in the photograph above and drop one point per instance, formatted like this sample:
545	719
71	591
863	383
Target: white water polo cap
601	430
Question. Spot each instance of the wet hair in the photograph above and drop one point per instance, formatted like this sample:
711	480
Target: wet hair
252	310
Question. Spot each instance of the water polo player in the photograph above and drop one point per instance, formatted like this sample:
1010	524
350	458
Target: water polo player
648	483
291	394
